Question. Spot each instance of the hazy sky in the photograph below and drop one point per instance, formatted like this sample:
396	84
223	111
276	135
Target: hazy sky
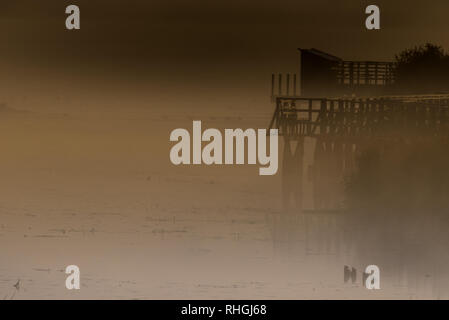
193	41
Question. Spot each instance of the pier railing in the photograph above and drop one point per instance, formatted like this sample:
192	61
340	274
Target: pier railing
364	117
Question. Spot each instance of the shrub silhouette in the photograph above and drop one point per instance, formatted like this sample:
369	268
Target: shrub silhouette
422	69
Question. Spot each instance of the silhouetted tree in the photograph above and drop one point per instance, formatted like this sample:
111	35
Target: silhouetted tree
423	69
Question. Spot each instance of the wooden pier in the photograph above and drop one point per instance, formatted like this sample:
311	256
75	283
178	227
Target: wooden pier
341	129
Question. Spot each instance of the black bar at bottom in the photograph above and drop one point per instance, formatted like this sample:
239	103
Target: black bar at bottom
219	309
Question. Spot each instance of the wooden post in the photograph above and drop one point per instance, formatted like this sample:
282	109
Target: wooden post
358	73
294	84
292	173
351	73
375	72
298	179
318	174
323	117
310	109
280	84
366	73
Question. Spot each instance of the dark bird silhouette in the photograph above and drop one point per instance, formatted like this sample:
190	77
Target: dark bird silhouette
349	274
17	285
